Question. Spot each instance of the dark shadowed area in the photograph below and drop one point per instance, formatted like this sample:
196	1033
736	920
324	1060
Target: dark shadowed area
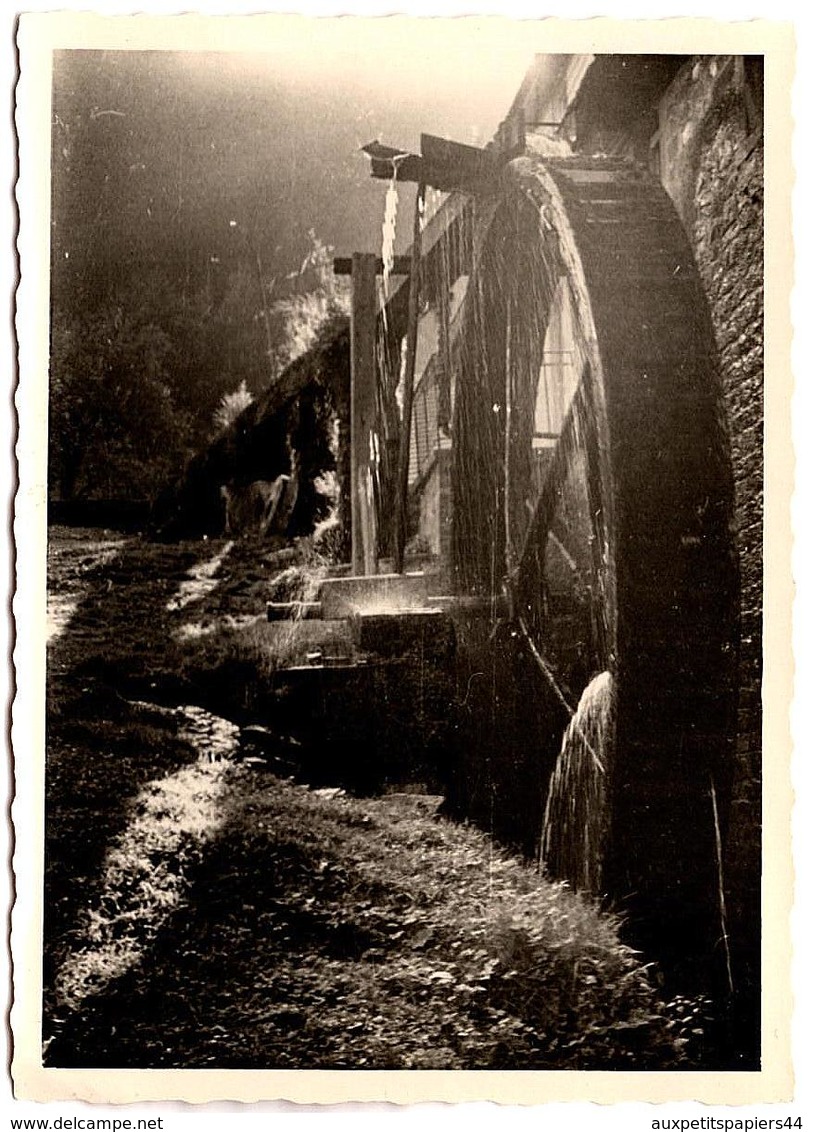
197	195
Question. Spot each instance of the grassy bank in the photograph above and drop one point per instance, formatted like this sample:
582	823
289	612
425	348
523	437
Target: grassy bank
332	932
217	915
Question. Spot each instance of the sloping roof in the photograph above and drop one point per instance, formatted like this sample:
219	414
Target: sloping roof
550	85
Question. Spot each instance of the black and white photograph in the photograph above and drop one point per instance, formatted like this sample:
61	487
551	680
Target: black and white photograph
402	492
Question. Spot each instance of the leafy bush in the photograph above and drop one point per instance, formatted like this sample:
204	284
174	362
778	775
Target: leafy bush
318	298
231	406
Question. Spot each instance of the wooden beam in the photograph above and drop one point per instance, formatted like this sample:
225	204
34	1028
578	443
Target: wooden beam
445	178
380	152
469	160
364	532
445	165
407	169
343	265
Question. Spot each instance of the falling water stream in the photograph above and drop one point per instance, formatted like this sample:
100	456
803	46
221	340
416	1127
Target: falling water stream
575	819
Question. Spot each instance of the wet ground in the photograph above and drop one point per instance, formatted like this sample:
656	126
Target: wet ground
205	910
74	553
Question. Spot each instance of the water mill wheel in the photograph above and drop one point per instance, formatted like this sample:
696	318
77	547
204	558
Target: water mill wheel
591	472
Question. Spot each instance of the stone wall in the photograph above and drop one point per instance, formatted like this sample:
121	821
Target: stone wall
712	164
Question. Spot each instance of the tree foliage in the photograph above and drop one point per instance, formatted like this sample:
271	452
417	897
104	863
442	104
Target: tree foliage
141	381
115	431
317	299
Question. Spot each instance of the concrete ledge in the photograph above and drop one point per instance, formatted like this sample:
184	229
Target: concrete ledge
342	597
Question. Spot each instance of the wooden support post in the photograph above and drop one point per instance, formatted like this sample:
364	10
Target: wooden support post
363	412
403	467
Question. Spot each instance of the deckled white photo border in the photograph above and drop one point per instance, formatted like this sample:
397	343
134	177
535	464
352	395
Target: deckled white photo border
39	34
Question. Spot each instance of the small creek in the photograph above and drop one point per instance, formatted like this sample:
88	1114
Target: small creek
200	580
72	557
144	875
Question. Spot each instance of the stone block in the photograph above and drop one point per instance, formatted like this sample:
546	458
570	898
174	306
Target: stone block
427	632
